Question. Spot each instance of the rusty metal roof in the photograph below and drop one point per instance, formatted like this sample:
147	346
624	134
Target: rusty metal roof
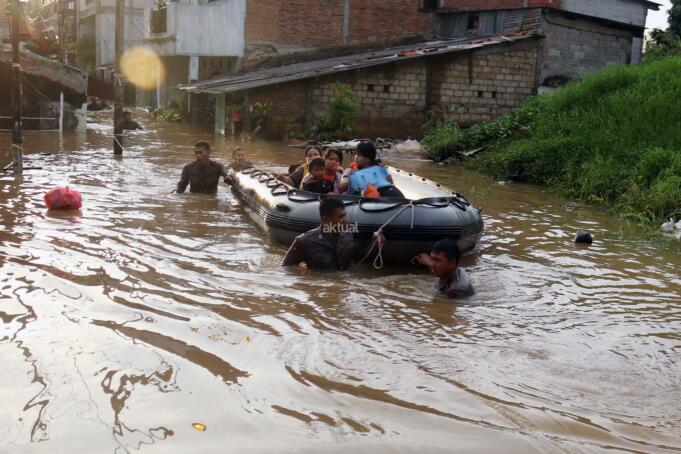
323	67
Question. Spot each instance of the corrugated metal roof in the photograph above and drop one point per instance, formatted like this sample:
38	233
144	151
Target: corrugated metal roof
316	68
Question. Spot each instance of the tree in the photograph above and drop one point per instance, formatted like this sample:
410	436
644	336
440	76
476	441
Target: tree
675	19
666	43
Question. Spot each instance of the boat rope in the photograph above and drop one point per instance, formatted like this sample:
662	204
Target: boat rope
378	241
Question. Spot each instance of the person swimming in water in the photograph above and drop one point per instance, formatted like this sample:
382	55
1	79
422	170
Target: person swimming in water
443	261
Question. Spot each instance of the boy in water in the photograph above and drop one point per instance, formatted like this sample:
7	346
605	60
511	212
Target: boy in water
314	181
238	164
444	264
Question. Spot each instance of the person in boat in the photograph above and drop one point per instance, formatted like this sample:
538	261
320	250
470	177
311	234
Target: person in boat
127	123
329	247
333	160
443	261
367	174
326	180
314	181
202	175
295	178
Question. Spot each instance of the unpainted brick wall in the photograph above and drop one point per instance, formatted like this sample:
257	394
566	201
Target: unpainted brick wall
287	112
392	98
471	88
319	23
575	51
487	5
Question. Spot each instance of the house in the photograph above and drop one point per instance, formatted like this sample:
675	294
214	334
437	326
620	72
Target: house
476	59
580	36
196	40
53	94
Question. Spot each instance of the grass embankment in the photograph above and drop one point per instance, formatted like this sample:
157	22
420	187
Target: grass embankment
612	139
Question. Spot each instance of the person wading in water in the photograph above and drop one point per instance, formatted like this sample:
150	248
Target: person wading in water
329	247
202	175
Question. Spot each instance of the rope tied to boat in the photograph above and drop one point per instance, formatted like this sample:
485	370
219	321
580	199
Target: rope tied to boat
379	240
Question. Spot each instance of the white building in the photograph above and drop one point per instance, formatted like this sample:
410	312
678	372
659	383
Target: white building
196	39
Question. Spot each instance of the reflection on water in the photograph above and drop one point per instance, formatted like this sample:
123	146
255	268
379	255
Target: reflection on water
123	324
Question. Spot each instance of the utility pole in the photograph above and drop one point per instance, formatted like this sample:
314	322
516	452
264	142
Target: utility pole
118	85
15	101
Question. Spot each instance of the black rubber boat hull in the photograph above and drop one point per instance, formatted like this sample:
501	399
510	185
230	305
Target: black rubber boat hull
435	213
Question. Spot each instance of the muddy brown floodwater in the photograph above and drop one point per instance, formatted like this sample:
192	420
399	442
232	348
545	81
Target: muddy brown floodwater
123	325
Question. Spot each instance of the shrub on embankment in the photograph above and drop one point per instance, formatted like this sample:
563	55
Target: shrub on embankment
613	138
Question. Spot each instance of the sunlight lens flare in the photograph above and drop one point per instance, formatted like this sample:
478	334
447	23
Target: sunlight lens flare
142	67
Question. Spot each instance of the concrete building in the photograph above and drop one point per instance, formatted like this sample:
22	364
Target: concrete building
196	39
277	28
580	36
489	56
97	19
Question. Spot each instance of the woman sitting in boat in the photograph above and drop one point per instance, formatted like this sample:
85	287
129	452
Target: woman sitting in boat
325	174
367	174
295	178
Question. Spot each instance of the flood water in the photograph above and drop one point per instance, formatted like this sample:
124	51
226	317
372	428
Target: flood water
123	325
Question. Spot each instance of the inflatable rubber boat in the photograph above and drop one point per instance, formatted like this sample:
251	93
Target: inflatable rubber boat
428	212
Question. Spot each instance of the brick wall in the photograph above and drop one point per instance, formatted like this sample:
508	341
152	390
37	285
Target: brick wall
487	5
288	107
481	86
392	98
291	25
575	48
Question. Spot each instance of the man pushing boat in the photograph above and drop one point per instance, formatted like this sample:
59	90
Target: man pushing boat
203	175
329	247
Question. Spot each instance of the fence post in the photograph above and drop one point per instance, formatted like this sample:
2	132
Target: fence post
61	112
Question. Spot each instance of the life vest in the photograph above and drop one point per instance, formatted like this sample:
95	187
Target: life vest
374	175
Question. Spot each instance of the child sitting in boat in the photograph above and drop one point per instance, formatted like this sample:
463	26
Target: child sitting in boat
315	180
295	178
367	173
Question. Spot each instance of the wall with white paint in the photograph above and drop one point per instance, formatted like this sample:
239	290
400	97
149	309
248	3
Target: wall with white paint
106	34
196	27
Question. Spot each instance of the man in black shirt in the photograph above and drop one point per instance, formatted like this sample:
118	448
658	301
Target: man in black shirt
127	123
202	175
329	247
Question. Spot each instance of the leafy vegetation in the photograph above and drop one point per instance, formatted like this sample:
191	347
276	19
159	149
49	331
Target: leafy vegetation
611	139
666	43
173	113
339	119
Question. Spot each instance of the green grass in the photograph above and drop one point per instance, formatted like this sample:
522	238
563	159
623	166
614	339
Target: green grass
612	139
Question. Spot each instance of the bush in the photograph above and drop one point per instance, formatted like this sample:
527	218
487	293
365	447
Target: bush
339	119
612	138
172	113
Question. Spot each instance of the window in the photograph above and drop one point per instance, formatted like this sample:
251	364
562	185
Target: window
159	19
473	23
371	87
429	6
386	88
480	94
